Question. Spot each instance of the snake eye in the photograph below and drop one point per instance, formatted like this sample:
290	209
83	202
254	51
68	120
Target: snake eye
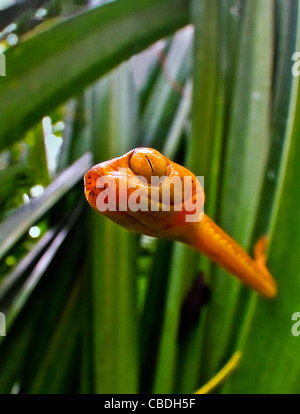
148	163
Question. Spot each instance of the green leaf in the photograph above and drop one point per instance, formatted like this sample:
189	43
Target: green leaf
180	120
279	363
182	273
247	145
17	224
12	278
81	48
151	320
36	157
58	357
112	248
15	180
167	91
31	282
204	153
285	43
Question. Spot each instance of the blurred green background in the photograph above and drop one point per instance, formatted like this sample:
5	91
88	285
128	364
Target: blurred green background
90	307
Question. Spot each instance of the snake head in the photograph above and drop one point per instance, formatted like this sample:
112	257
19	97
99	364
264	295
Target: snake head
146	192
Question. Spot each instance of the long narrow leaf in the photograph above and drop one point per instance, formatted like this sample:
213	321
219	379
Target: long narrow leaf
277	351
112	248
82	49
246	152
33	279
16	225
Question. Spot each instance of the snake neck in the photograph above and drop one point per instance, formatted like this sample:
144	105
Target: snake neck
210	239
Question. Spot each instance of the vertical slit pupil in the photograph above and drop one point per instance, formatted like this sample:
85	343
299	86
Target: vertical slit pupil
149	162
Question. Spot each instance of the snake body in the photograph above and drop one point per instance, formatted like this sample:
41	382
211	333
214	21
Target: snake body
182	220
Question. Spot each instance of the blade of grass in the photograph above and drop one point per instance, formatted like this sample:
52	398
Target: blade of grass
59	280
279	363
184	264
29	330
33	279
204	153
286	13
166	94
182	272
17	224
172	141
59	354
16	274
15	180
75	140
145	86
10	14
112	248
35	66
36	155
199	151
246	151
14	348
151	321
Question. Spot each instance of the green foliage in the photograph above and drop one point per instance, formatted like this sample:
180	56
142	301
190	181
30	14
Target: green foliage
92	308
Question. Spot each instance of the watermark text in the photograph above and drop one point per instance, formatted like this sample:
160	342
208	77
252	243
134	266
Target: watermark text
2	324
2	65
163	193
296	326
296	65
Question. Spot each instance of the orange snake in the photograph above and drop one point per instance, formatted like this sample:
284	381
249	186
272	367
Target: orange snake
202	233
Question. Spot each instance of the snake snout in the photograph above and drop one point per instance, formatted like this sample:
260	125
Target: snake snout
90	186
